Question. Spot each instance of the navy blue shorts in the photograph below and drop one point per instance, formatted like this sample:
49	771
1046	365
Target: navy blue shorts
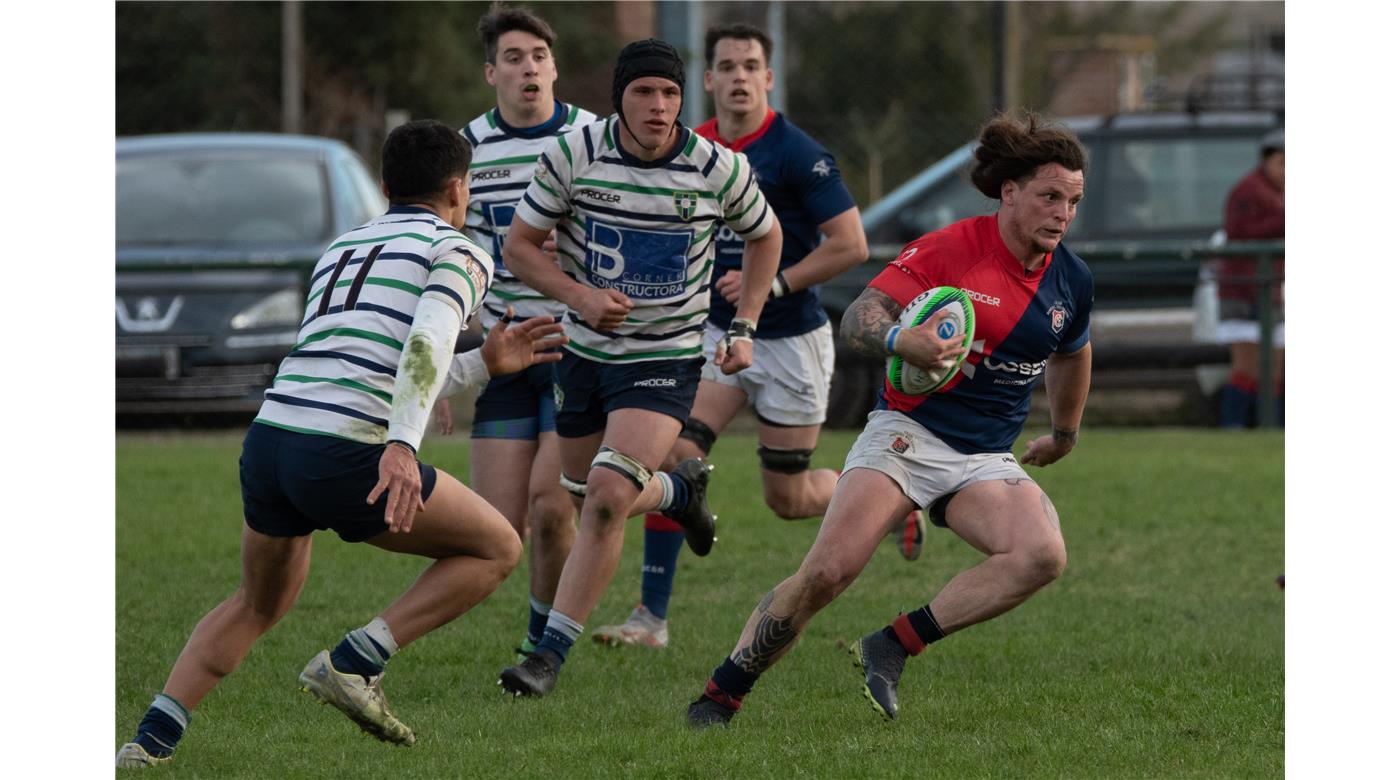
592	389
516	406
296	483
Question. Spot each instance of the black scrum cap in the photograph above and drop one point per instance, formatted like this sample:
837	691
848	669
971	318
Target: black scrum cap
650	57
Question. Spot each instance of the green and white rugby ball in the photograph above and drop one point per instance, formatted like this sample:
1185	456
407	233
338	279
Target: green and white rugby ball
930	304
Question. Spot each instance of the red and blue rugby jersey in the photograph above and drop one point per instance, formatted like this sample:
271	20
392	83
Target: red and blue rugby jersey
1022	317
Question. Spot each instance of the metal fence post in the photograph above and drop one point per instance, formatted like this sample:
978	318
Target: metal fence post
1264	286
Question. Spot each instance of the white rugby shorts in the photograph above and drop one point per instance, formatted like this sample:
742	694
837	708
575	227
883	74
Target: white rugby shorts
923	466
789	379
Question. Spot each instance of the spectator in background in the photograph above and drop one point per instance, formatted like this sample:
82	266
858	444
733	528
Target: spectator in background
1254	211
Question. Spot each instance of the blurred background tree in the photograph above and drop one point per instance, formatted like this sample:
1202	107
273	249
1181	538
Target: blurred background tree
889	87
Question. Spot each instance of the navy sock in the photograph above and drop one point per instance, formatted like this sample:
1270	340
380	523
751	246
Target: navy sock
347	659
559	635
733	681
680	493
164	724
1236	407
661	549
539	618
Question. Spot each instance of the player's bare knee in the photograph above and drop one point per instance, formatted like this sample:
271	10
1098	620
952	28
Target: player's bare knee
784	501
1043	560
821	582
263	610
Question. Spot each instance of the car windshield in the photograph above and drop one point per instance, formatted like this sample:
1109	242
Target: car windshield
1172	185
221	198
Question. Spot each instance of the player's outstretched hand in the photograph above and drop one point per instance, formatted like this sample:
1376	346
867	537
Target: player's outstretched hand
921	346
736	358
1045	450
442	414
729	285
603	310
400	481
517	346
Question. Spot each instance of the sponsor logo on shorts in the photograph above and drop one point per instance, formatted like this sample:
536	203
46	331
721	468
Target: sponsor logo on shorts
982	297
901	444
605	197
1058	316
493	173
656	382
1008	459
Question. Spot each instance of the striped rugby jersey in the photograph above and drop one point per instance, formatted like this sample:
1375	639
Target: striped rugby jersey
503	160
646	228
338	379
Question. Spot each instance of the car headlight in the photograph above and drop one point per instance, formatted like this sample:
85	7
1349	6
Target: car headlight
282	308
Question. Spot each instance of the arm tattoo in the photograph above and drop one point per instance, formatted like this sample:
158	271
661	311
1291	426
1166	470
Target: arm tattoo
1064	435
867	320
770	636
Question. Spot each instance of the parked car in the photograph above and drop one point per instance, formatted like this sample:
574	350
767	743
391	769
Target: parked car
1155	191
216	236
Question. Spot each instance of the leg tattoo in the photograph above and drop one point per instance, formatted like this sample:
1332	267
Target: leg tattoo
770	636
1050	513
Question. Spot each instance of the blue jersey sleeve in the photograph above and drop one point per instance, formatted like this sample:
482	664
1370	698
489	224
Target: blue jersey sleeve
813	169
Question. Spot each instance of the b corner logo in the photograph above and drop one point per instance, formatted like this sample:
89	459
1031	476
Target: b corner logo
686	203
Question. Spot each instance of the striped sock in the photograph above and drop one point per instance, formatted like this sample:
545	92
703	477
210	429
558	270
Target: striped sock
915	631
730	684
364	651
560	633
164	724
675	494
661	548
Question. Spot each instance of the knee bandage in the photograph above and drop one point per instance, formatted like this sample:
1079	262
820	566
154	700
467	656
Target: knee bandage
703	435
784	461
577	488
627	466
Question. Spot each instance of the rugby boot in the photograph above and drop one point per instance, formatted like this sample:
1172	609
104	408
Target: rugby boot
705	712
908	535
641	628
361	699
882	661
133	756
695	516
535	676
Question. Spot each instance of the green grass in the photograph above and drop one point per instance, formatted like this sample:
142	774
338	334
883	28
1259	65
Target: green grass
1158	653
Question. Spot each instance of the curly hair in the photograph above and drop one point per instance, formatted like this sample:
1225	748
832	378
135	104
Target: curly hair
1014	147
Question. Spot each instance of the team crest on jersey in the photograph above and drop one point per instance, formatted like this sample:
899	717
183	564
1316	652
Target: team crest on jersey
901	444
686	203
1058	315
821	168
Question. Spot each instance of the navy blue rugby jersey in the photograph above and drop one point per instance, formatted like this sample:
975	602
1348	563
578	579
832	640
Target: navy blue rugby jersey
803	186
1022	319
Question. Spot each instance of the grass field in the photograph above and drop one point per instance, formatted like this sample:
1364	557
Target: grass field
1158	653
